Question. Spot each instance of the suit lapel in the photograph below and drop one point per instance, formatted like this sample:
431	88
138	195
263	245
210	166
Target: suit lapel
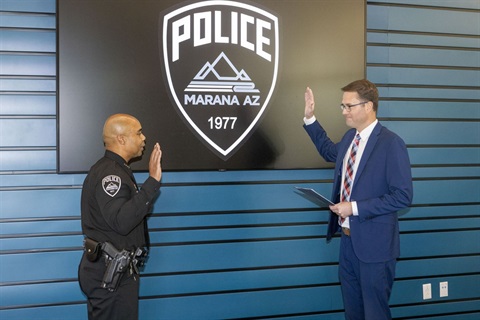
372	141
344	149
347	141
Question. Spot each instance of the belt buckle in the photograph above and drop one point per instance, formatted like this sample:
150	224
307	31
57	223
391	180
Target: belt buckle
346	231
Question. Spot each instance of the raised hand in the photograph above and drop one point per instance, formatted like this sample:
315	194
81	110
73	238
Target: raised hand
155	166
309	103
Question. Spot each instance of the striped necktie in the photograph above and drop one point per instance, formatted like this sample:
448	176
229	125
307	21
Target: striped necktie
348	181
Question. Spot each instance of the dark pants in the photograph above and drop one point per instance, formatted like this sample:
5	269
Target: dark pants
366	287
103	304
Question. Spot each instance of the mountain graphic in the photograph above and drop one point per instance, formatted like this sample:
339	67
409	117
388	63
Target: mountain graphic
221	76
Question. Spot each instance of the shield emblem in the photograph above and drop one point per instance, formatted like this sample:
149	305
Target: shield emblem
220	61
111	185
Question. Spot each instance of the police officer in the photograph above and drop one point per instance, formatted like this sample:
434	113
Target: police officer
114	210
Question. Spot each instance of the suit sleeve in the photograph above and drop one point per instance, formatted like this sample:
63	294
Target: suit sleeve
128	207
327	149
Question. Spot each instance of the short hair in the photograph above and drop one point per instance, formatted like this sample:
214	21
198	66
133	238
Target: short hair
365	89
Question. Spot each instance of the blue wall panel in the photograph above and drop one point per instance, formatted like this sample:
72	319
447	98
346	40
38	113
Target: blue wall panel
11	160
31	227
436	133
243	244
49	265
28	132
444	155
460	99
37	6
422	40
428	20
40	203
43	294
428	109
422	56
28	85
420	76
28	65
28	105
449	4
27	41
74	312
244	304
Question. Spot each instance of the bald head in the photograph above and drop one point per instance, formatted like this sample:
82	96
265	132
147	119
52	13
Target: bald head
119	132
117	124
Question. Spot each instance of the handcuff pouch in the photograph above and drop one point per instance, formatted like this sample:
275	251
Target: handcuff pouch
92	249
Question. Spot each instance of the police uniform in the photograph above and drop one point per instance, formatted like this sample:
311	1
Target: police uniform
113	210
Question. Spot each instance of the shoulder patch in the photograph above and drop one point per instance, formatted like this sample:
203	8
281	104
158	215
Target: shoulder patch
111	184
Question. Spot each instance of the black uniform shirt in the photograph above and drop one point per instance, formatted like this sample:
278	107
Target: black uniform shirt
113	209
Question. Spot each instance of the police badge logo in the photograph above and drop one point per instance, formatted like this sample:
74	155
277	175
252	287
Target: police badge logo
220	60
111	185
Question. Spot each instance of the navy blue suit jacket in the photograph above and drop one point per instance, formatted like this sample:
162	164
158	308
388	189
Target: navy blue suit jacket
382	186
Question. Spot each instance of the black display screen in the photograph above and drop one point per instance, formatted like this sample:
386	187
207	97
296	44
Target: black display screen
219	84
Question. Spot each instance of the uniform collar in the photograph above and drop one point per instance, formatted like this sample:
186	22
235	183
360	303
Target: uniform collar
118	159
112	155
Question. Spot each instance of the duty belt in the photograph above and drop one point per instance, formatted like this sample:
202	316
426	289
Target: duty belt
117	262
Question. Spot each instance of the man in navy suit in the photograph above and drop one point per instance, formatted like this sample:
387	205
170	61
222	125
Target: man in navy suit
367	194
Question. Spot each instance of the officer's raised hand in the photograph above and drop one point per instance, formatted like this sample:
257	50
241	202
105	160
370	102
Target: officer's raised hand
155	166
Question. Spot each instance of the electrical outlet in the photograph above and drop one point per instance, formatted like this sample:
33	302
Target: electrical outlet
427	291
444	289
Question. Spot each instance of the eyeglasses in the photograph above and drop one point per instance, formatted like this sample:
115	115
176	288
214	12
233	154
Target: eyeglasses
348	107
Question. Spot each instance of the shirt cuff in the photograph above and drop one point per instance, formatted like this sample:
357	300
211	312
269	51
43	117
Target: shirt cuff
354	208
309	121
151	187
